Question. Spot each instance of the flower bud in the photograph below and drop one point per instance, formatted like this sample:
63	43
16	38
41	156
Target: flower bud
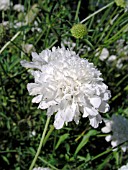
79	30
120	3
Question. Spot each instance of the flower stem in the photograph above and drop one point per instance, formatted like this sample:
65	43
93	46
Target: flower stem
13	38
40	145
97	12
77	11
48	134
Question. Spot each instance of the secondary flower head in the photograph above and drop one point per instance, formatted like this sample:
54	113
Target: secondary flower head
120	3
79	30
118	126
68	86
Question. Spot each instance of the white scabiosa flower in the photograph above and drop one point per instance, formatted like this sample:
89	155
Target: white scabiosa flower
118	125
124	167
68	86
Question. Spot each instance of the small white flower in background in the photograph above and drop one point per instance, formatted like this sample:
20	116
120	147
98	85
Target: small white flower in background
103	55
18	8
5	24
36	27
112	58
118	125
68	86
4	5
28	48
39	168
122	47
32	134
119	63
124	167
17	24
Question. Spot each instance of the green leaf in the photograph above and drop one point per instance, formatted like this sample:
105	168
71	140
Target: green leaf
104	163
85	140
61	139
5	159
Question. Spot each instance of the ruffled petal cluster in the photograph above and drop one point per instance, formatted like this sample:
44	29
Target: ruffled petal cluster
118	125
67	86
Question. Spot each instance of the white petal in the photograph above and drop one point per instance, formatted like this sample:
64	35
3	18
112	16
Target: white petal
27	64
37	99
68	114
95	101
52	110
108	138
45	105
124	148
59	122
36	57
105	96
34	88
104	107
104	54
112	58
106	129
114	144
94	121
90	111
77	114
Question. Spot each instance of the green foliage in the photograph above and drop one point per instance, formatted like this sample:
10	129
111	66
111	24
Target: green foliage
46	24
85	140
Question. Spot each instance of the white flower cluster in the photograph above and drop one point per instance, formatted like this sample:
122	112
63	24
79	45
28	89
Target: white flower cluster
4	5
124	167
39	168
67	85
118	59
18	8
118	125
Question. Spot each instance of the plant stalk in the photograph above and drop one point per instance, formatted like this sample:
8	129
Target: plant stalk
41	144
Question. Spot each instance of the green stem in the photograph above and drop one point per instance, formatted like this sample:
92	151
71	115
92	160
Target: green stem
97	12
13	38
48	134
47	163
40	145
77	11
3	16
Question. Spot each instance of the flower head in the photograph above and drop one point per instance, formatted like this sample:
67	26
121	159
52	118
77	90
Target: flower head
79	30
118	126
120	3
68	86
